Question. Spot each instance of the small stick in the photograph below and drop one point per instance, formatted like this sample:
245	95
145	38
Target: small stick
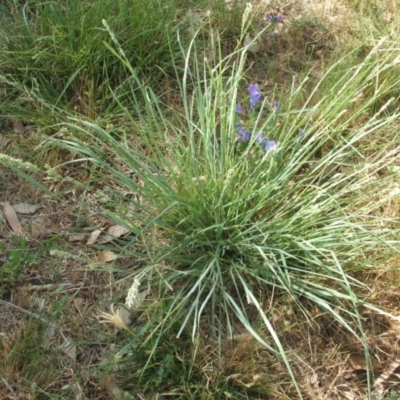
9	388
50	286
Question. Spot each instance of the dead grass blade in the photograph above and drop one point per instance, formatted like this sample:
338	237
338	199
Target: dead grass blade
12	218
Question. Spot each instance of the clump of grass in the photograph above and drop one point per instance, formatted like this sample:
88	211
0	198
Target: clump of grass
224	224
54	53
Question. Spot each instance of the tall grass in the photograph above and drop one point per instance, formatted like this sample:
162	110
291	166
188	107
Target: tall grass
54	57
55	52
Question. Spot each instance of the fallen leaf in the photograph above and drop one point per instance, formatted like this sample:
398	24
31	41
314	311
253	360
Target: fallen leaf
112	233
51	327
12	218
3	141
93	237
253	46
115	391
77	238
142	296
125	315
18	126
117	230
106	256
51	330
388	373
359	363
25	208
243	333
69	348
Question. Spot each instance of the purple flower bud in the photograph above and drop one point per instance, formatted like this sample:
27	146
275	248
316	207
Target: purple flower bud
239	109
276	105
255	95
274	18
243	134
268	145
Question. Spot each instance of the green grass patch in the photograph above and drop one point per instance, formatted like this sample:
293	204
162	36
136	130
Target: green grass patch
21	259
53	54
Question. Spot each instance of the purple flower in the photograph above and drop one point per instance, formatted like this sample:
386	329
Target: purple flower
243	134
259	137
274	18
276	105
268	145
239	109
255	95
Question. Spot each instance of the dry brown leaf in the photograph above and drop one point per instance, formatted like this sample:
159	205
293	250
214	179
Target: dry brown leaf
113	232
243	333
117	230
143	294
18	126
69	348
358	363
12	218
387	373
115	391
254	47
25	208
3	141
77	238
106	256
93	237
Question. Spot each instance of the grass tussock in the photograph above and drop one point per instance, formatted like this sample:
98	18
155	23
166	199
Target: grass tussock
227	217
253	162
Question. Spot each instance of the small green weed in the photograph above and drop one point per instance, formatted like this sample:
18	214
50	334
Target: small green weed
393	396
21	258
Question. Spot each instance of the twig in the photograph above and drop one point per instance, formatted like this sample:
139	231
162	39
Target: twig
50	286
9	387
